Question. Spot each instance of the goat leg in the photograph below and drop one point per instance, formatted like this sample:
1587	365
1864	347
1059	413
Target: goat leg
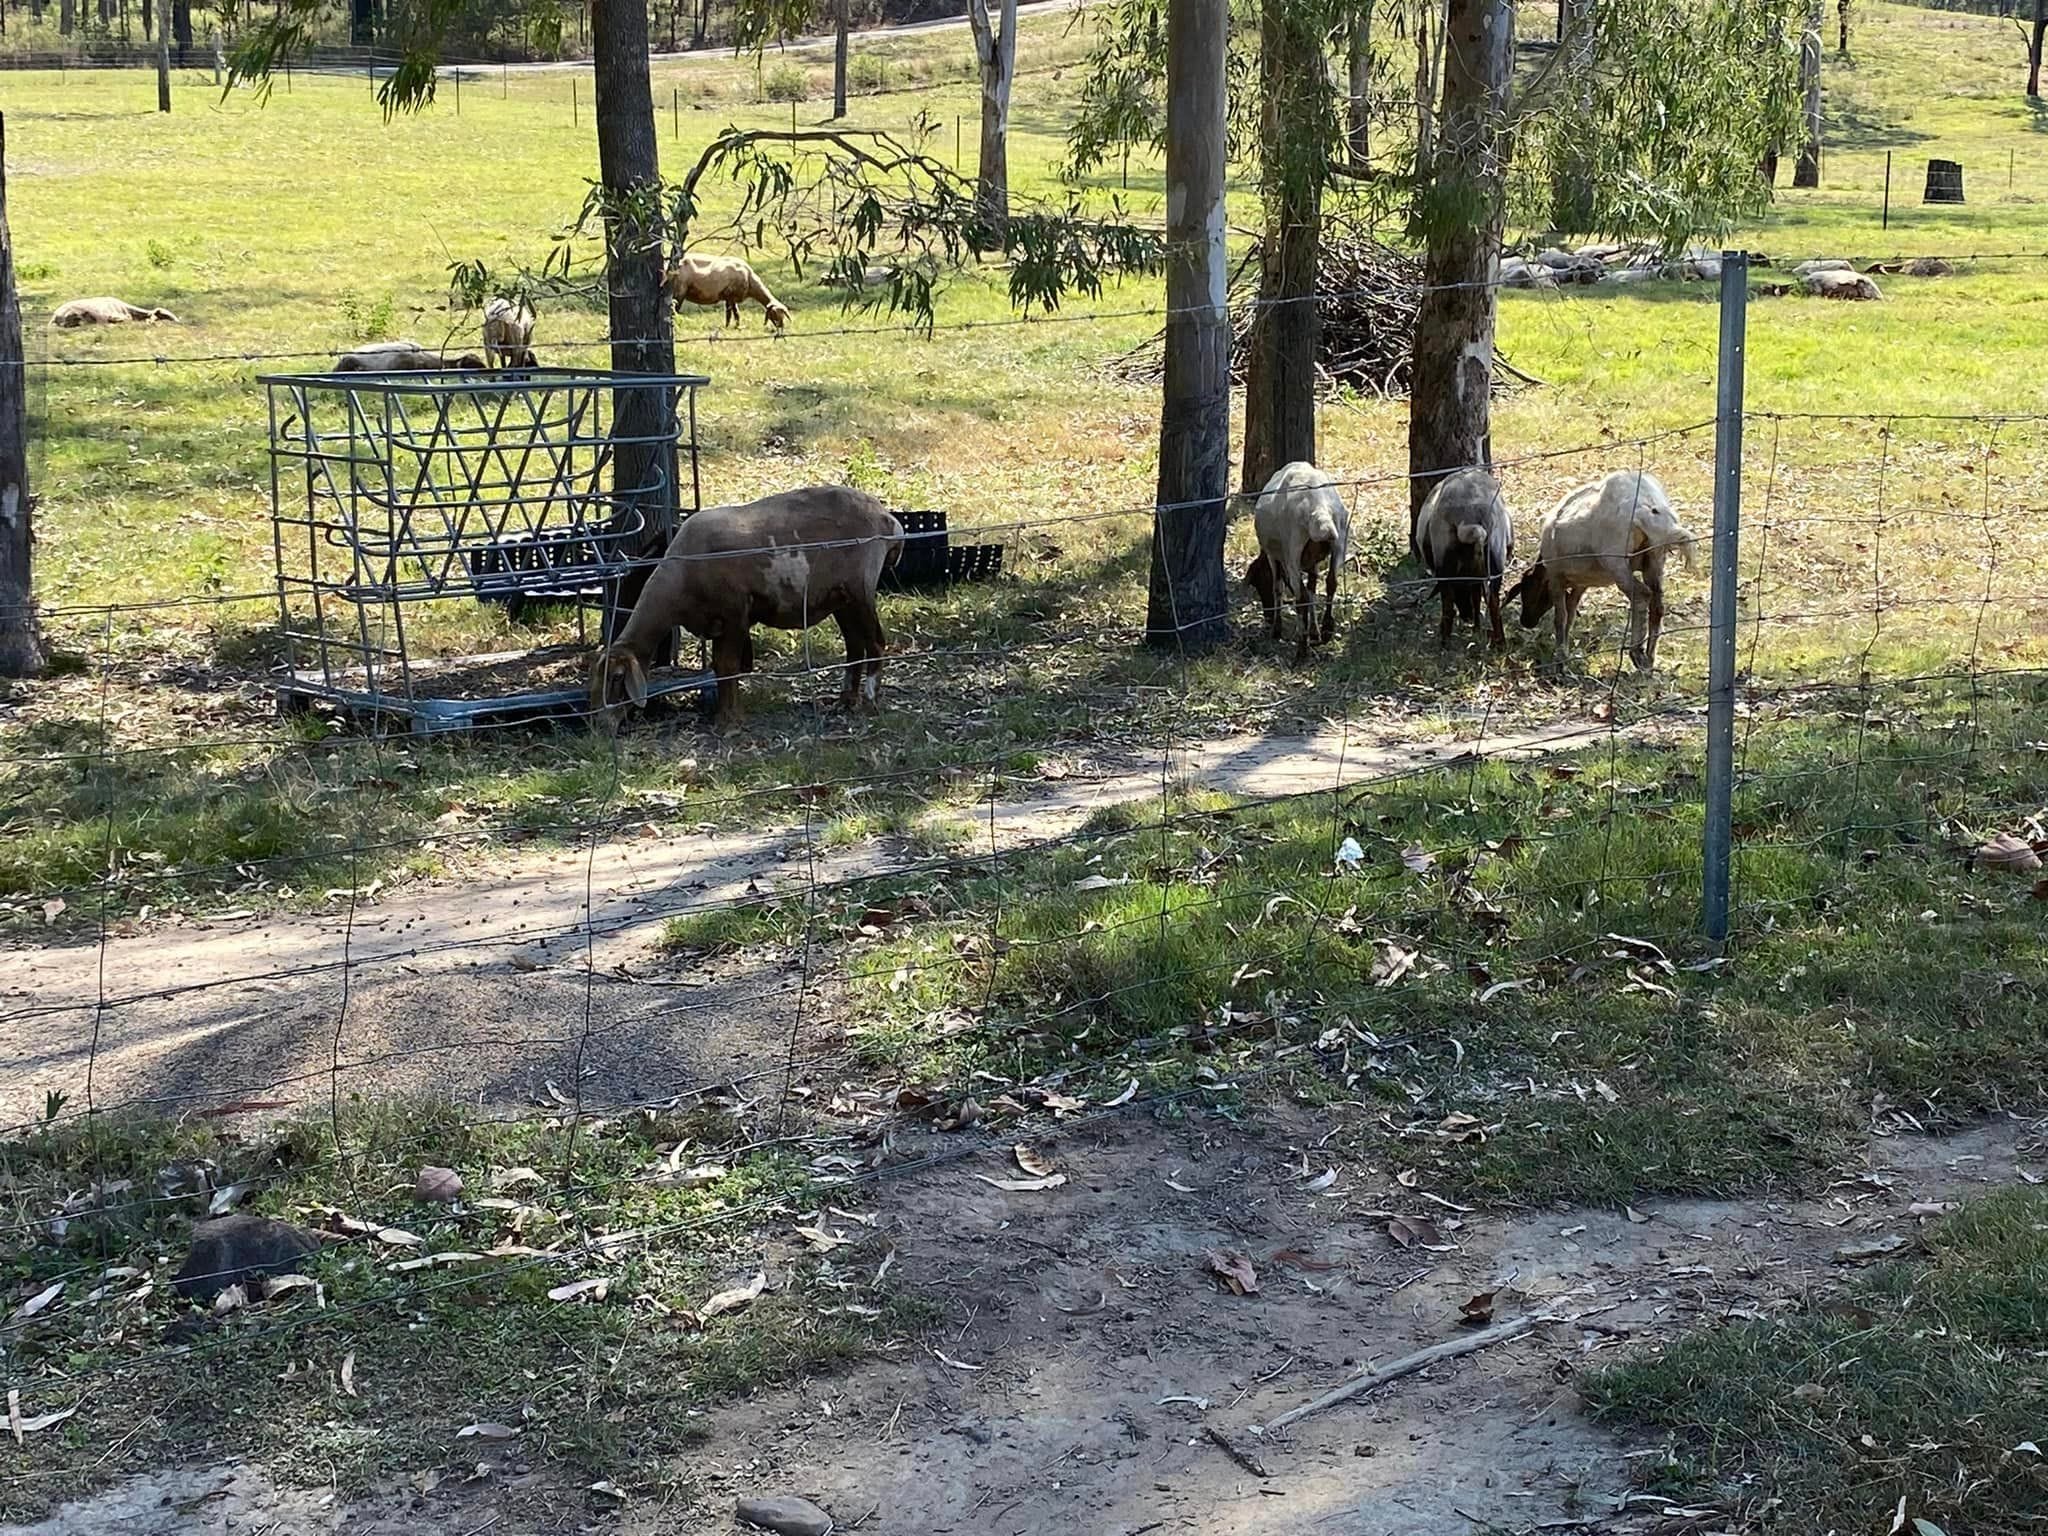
1500	638
731	658
1329	629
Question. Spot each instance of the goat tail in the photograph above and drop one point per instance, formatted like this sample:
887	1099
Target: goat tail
1471	533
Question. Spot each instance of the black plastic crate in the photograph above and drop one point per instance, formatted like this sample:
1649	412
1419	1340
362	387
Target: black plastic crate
929	559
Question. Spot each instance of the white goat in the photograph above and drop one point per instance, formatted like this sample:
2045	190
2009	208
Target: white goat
1614	532
508	335
1465	537
1302	526
77	312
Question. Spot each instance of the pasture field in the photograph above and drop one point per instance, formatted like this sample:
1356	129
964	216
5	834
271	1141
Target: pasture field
1495	1025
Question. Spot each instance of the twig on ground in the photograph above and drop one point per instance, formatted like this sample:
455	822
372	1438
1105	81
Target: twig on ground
1408	1365
1236	1453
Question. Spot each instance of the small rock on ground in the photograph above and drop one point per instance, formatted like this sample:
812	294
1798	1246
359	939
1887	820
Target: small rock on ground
786	1515
233	1250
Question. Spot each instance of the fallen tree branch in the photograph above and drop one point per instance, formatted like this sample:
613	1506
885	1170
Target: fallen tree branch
1236	1453
1408	1365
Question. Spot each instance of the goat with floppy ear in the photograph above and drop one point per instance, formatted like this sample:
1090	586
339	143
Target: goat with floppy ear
1303	529
616	663
790	560
1614	532
1465	537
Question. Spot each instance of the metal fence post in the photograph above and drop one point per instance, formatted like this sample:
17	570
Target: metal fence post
1720	823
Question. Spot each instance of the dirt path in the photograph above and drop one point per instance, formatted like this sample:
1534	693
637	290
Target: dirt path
476	987
1087	1354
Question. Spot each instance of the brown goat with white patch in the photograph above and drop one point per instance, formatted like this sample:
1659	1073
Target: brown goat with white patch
726	280
789	560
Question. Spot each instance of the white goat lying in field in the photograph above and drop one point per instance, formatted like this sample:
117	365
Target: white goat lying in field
400	357
79	312
1302	526
508	335
726	280
1615	532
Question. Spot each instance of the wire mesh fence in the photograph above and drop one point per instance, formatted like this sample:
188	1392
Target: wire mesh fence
1074	879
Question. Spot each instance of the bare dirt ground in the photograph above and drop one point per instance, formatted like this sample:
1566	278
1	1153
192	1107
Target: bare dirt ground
486	986
1088	1354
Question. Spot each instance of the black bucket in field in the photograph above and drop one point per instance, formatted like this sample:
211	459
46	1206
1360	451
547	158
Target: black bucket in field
1944	182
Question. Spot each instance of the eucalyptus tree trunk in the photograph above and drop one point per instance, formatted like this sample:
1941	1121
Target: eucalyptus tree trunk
163	51
1358	98
1806	171
1280	376
996	52
1187	605
839	48
1450	401
644	474
21	645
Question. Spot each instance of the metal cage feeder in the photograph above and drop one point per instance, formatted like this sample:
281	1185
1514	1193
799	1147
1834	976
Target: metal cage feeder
399	498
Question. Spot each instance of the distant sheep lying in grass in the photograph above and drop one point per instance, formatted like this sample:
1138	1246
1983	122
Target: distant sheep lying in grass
78	312
723	280
508	335
789	561
1302	527
1615	532
1465	538
400	357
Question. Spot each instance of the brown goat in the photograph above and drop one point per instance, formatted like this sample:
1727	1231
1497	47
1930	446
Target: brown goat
726	280
508	335
789	560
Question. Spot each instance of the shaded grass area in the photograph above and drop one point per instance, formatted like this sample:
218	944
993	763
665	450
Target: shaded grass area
1925	1382
374	1383
1510	980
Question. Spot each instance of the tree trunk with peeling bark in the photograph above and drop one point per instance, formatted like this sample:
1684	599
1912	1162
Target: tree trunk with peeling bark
163	51
1280	376
996	53
840	45
1188	606
1450	402
1806	171
21	644
1358	98
629	165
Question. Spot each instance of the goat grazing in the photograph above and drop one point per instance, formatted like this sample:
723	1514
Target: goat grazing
400	357
789	560
508	335
68	317
1302	527
1614	532
1465	538
723	280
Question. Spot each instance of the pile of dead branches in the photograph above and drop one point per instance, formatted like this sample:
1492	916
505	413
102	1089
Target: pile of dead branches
1369	296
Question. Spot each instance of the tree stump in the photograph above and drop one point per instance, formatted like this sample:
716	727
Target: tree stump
1944	182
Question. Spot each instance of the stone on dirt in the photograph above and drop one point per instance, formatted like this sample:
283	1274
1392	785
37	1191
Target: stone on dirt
784	1514
234	1250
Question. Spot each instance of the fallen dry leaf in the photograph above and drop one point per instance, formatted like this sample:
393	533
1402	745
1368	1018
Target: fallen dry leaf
1417	859
435	1261
728	1301
1062	1104
1809	1392
1033	1160
1869	1249
959	1116
18	1426
958	1365
1327	1179
1233	1271
1415	1231
487	1432
1477	1311
1393	963
2008	852
398	1237
37	1302
512	1178
1025	1186
1131	1088
230	1299
284	1285
822	1241
348	1373
1636	1217
1407	1178
52	910
595	1289
1931	1207
437	1186
1099	883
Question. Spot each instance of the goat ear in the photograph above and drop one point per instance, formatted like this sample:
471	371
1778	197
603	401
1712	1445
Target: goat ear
636	681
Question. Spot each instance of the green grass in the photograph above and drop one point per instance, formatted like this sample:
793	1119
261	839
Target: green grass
607	1390
1875	968
1924	1383
153	478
